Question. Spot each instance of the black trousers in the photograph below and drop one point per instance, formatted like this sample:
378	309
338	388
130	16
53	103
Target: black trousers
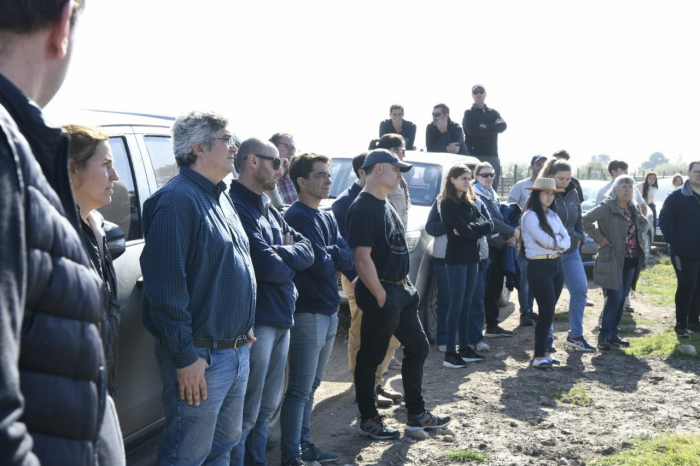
398	317
546	279
494	286
688	291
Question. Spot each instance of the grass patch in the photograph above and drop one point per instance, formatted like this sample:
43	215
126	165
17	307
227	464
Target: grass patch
466	454
576	396
667	450
659	283
662	345
633	321
561	316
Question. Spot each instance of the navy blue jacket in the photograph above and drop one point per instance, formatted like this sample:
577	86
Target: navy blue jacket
436	141
317	285
408	131
675	220
275	265
48	294
482	141
340	212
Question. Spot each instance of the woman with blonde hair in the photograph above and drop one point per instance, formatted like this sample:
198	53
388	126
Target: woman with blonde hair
464	224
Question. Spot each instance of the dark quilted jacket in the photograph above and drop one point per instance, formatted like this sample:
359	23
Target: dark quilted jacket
61	362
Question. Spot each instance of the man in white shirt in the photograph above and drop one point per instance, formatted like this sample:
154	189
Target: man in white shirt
519	195
617	168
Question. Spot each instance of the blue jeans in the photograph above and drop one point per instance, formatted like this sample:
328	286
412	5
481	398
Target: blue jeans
311	343
525	298
443	300
268	358
577	284
462	281
208	432
475	329
612	311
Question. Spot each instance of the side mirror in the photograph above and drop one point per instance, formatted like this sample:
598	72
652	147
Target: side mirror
116	239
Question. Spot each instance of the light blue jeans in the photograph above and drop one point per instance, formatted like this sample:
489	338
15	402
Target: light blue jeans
475	329
577	284
268	358
462	281
208	432
311	343
615	303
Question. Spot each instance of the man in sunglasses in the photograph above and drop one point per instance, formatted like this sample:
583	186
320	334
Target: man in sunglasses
443	134
481	127
278	253
285	188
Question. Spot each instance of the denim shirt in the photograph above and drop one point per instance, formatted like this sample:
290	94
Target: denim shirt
198	277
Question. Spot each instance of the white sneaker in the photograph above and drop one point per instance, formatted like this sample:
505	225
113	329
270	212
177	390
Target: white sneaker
481	346
442	348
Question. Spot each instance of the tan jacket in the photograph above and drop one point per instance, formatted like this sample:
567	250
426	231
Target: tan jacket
612	224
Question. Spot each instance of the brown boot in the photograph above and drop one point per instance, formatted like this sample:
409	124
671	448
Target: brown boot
393	396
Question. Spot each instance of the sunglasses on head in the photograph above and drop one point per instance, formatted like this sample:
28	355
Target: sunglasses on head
487	175
276	161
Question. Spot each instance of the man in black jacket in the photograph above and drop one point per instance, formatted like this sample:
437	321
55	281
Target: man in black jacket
53	401
443	134
481	127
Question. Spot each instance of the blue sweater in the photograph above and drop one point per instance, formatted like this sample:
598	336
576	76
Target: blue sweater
275	265
317	285
675	220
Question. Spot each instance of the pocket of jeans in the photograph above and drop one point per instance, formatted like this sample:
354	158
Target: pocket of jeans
205	354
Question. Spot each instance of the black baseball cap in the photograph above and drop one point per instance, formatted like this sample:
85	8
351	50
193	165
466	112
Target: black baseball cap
385	156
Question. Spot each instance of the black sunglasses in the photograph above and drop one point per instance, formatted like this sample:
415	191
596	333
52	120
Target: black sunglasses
437	115
276	161
477	92
487	175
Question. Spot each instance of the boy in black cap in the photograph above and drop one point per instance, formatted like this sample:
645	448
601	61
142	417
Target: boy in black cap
388	300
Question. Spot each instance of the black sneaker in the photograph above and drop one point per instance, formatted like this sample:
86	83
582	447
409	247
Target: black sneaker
374	427
526	319
427	421
469	355
694	327
310	453
295	462
682	332
534	316
619	342
604	343
496	332
453	361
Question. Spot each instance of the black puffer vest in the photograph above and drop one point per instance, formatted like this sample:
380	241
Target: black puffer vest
61	362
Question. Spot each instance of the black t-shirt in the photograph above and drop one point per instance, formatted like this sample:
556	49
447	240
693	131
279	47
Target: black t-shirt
374	223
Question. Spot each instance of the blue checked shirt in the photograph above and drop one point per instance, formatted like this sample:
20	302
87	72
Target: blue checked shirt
198	278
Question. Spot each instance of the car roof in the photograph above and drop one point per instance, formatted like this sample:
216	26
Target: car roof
440	158
93	117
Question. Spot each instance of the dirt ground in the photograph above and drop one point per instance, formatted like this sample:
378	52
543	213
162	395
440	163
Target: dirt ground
505	410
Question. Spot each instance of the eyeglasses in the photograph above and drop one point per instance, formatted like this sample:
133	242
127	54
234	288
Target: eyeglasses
228	140
477	92
290	147
276	161
437	115
625	186
486	175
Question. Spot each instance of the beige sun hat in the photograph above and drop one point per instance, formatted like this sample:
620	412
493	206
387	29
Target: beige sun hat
545	184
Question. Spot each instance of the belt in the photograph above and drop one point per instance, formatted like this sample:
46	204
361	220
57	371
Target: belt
213	344
545	256
394	282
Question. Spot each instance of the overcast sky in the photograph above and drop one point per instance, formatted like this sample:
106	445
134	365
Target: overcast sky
619	78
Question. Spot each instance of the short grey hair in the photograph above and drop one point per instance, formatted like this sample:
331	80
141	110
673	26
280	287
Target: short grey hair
195	128
249	146
622	179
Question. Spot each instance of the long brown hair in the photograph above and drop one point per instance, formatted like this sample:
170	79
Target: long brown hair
448	188
645	188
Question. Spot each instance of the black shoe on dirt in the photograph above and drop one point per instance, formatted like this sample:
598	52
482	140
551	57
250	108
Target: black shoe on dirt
428	421
374	427
526	319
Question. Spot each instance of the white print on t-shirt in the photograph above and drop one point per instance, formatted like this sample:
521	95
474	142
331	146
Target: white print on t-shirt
393	231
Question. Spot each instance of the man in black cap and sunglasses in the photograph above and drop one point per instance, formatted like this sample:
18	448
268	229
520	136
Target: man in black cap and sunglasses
278	252
481	127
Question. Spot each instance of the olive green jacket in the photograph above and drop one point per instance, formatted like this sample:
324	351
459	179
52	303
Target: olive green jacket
612	224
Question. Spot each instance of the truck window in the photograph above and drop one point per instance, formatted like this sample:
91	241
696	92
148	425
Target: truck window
124	209
160	148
